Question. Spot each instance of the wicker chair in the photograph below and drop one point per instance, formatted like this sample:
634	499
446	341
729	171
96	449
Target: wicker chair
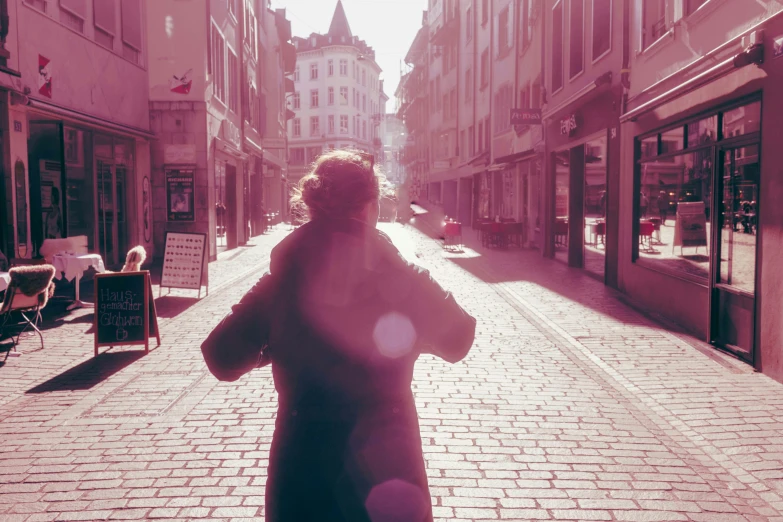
27	294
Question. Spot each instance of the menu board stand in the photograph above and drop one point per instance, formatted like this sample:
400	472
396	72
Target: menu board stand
125	313
183	262
690	228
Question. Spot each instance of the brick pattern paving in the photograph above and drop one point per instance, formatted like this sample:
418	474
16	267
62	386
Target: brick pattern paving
571	406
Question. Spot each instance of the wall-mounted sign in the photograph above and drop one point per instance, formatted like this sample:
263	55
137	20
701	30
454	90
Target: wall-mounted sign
525	116
44	76
182	154
230	133
17	126
777	47
181	84
180	195
569	125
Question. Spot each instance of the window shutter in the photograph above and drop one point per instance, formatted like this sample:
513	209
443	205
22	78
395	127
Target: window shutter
77	7
105	16
131	23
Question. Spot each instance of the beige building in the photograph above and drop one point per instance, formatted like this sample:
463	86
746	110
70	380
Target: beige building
217	118
75	124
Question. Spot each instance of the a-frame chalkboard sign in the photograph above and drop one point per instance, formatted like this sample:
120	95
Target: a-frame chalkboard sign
125	312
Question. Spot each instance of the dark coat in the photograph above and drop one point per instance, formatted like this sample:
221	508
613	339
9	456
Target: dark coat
345	317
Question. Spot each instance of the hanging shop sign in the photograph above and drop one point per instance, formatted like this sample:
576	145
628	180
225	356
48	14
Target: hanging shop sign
570	124
125	312
180	195
183	261
181	84
525	116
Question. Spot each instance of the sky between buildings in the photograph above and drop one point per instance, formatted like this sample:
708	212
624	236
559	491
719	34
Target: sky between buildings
388	26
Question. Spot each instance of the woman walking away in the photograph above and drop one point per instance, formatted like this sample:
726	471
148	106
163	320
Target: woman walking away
342	318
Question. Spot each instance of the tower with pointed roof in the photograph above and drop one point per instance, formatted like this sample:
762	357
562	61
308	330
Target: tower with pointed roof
338	100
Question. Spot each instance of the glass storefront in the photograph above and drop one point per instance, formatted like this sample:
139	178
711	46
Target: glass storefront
696	213
562	161
79	183
595	200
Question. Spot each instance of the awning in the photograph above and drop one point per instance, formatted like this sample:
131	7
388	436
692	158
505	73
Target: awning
47	109
516	157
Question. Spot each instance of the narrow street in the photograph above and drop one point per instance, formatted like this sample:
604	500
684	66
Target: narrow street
571	406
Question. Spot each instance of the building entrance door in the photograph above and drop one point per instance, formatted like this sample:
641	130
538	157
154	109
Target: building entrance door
735	253
111	170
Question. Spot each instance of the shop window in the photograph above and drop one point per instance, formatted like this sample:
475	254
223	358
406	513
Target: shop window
682	185
557	46
602	27
576	37
595	201
742	120
673	140
562	163
703	132
649	147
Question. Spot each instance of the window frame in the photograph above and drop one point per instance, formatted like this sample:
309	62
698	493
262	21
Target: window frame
330	96
593	32
232	83
330	67
721	142
571	75
561	4
313	71
296	127
219	94
315	98
315	130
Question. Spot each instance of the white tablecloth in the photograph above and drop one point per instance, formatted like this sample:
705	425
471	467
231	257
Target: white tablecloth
71	265
5	280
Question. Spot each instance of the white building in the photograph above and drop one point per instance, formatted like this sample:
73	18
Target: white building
338	99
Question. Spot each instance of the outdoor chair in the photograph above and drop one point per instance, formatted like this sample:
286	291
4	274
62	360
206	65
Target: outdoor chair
27	294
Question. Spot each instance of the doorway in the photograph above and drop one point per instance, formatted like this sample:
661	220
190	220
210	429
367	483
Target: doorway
113	163
735	255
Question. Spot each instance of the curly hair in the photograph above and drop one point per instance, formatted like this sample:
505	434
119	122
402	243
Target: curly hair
340	185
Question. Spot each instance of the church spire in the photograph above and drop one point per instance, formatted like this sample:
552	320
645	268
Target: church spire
339	26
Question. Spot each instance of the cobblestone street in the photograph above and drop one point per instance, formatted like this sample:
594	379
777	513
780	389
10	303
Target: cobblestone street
571	406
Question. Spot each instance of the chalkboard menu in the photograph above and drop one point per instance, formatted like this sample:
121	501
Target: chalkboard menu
124	310
183	261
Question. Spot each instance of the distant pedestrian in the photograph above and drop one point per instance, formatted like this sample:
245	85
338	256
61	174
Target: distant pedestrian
342	318
663	206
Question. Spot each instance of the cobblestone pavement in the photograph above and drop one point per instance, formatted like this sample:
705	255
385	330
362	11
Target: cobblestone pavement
571	406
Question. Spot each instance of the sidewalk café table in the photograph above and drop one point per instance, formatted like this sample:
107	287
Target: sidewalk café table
5	280
73	266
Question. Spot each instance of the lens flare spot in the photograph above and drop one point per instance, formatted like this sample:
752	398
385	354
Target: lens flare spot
394	335
396	501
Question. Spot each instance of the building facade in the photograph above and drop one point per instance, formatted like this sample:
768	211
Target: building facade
584	59
210	101
338	97
699	222
75	125
413	110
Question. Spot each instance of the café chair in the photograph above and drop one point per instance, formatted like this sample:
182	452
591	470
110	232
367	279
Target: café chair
27	294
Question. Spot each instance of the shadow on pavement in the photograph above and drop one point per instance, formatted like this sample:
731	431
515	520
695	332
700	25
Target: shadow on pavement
571	283
170	306
89	373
